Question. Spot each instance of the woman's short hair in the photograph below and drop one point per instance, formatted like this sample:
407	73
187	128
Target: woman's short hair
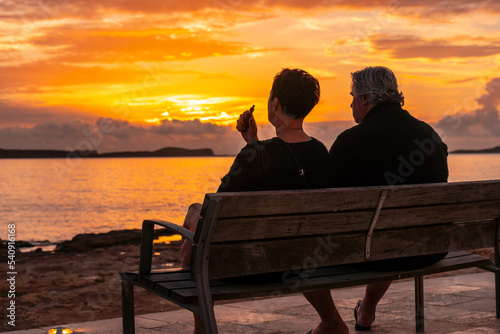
297	92
378	84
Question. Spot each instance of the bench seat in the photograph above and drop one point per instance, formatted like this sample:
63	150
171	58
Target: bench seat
176	285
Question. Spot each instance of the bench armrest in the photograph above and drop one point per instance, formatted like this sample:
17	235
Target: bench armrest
147	237
176	229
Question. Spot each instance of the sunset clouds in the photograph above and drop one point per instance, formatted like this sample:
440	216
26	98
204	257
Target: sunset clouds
407	46
481	121
178	73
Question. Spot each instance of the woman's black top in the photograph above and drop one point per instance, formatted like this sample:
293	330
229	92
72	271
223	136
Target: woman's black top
276	165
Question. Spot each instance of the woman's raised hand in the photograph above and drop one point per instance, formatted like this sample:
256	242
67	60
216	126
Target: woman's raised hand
247	127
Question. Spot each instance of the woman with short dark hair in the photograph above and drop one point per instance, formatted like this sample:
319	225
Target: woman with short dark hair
291	160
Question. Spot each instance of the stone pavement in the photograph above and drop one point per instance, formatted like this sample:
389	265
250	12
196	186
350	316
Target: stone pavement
459	304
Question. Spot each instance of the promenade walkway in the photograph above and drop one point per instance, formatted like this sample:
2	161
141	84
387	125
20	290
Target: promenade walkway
459	304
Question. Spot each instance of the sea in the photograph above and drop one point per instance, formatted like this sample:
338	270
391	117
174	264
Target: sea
52	200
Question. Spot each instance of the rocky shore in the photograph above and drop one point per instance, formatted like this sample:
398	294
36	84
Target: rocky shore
79	281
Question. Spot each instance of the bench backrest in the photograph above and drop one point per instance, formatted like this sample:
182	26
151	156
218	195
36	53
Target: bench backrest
260	232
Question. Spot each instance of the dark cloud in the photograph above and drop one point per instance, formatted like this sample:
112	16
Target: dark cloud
29	116
194	127
52	9
482	122
46	135
327	132
111	135
438	8
30	12
406	46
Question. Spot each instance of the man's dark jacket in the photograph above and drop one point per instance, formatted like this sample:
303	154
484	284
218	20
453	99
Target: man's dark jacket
389	147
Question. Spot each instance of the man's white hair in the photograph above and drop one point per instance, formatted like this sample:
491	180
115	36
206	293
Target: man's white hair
378	84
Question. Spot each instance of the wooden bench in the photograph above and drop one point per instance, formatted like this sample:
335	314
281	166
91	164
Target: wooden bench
309	237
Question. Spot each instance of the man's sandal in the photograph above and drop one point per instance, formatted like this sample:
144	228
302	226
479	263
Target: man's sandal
359	327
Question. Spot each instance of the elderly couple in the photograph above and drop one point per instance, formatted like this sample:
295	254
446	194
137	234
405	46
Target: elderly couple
380	150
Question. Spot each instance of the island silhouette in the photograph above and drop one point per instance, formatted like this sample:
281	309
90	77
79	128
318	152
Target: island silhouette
163	152
487	150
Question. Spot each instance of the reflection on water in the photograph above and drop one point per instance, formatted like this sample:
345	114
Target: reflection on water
474	167
168	239
99	195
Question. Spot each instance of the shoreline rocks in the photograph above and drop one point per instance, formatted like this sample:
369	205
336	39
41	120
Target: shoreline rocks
86	241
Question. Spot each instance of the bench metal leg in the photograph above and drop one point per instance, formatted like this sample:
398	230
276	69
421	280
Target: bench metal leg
206	307
128	308
497	264
419	303
497	293
207	315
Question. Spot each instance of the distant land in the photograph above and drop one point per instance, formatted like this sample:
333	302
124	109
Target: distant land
164	152
487	150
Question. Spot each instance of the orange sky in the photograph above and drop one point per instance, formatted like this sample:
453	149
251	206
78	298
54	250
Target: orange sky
178	73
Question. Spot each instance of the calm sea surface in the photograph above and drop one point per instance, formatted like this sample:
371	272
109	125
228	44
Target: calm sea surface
55	199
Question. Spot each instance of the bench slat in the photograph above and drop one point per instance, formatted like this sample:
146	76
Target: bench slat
282	226
150	280
305	252
267	203
433	239
438	214
271	227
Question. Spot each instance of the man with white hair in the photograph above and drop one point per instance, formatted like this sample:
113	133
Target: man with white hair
388	146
